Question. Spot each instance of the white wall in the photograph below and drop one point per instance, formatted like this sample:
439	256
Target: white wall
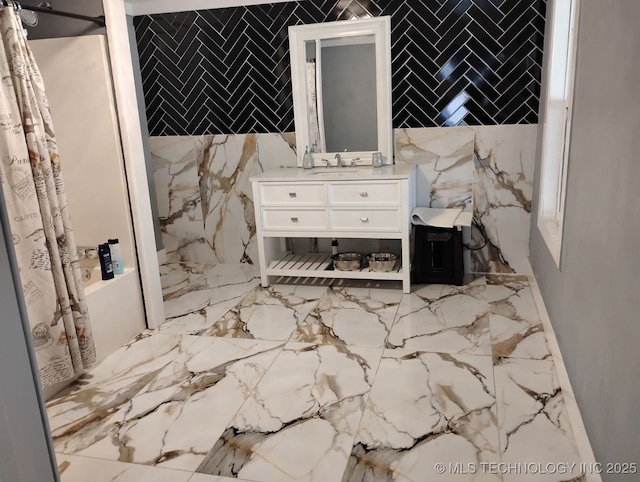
134	157
593	301
142	114
79	89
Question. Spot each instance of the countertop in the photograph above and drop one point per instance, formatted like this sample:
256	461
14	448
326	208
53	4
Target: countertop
391	171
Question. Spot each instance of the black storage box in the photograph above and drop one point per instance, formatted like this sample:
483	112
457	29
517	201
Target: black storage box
437	255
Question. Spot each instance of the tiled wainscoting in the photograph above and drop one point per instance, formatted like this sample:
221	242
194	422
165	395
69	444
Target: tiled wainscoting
206	206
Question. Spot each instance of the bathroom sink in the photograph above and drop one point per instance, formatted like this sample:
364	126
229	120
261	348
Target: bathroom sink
340	171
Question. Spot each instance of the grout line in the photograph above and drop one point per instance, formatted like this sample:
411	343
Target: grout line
498	398
575	418
66	464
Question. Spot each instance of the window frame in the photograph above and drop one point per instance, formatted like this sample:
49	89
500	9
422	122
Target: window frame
557	122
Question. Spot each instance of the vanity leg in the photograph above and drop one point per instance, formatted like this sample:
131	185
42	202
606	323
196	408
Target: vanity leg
262	262
406	264
269	249
406	285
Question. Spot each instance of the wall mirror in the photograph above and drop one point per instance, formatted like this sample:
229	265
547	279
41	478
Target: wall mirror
341	78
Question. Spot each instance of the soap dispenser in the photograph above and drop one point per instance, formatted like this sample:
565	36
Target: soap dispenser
307	160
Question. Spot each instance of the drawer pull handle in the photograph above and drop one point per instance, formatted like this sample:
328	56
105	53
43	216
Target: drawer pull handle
364	194
294	220
364	220
292	194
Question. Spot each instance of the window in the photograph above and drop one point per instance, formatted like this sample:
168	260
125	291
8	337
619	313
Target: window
557	122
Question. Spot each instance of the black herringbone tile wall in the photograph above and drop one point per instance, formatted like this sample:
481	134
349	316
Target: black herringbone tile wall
455	62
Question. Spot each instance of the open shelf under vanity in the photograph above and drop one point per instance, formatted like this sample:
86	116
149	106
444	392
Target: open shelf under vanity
320	265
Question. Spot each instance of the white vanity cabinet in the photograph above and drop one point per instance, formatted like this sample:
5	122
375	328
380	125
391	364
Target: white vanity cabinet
340	203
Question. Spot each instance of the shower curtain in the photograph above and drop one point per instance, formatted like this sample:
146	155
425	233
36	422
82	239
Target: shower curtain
36	202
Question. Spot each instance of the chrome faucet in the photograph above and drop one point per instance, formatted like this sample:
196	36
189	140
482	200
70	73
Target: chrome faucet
338	160
87	252
327	161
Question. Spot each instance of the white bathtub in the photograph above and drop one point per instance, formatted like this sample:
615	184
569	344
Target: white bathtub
115	309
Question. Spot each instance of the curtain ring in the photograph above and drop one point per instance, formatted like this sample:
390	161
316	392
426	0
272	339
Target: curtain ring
11	3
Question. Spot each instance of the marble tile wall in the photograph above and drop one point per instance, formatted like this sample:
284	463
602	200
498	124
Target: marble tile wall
504	158
206	206
444	159
204	193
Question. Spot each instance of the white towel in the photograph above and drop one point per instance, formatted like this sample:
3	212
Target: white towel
436	217
465	218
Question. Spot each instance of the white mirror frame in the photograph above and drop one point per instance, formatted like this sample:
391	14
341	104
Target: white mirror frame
380	27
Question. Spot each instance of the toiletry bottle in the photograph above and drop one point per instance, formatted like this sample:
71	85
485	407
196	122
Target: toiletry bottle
376	159
307	160
104	253
334	247
116	256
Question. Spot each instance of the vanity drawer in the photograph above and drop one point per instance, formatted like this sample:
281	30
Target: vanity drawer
386	220
370	193
294	220
292	194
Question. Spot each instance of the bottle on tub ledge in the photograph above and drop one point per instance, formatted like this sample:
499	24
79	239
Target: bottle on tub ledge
106	266
116	256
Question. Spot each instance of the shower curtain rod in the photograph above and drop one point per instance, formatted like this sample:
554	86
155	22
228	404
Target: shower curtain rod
99	20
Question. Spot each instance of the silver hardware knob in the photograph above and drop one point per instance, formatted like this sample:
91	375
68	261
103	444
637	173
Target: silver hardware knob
292	194
364	220
294	220
364	194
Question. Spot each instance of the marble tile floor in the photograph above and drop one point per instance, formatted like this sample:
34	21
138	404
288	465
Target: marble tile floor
312	380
